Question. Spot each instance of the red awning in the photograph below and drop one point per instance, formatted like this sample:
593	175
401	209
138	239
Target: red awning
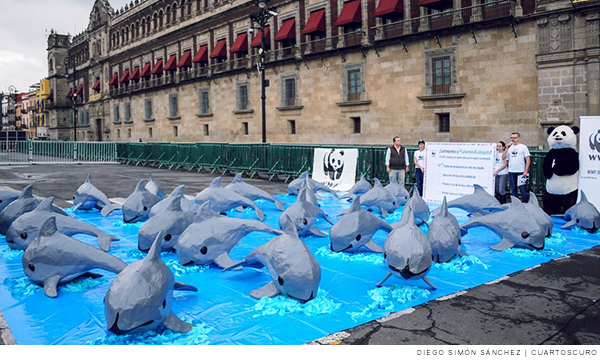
158	68
220	50
201	55
386	7
146	71
186	59
287	30
125	77
96	86
50	96
435	3
171	64
350	14
69	94
113	81
240	44
135	74
79	90
316	22
257	40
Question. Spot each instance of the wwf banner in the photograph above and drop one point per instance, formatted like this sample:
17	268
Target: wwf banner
335	168
589	159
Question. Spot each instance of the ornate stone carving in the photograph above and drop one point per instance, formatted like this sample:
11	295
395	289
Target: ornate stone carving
555	34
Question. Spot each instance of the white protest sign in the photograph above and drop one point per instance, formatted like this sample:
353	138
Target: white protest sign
589	159
335	168
451	169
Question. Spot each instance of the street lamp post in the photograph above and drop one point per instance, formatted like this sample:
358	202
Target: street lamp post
73	97
261	19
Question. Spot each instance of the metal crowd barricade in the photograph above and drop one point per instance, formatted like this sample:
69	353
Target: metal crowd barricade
57	152
245	157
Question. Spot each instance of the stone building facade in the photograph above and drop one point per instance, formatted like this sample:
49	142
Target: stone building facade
339	72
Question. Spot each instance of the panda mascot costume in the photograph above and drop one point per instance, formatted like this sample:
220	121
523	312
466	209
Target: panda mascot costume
561	169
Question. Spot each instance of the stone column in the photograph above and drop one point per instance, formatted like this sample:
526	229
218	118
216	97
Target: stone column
477	13
457	18
424	24
407	24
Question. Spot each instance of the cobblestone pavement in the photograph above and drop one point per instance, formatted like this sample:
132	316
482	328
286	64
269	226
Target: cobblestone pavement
554	303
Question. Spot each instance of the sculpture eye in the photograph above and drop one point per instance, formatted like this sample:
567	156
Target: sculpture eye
280	280
358	237
31	267
304	221
204	250
23	235
385	255
577	221
145	208
459	242
167	237
164	304
524	234
73	197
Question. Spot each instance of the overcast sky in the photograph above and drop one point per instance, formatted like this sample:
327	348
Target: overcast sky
24	25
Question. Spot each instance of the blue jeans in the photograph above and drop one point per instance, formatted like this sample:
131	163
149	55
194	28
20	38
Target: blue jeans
419	176
512	177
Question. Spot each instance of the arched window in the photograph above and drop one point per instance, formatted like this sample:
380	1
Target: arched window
155	21
160	18
168	15
174	12
184	11
143	27
127	33
148	21
122	36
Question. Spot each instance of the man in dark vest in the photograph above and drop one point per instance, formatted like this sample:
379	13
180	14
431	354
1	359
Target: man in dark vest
396	161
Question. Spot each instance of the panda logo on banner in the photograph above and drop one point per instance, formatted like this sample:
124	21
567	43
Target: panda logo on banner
595	141
333	164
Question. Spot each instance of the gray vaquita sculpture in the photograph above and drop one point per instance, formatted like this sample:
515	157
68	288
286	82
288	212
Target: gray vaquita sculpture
293	269
474	203
171	222
304	215
356	229
137	206
361	187
27	227
534	209
295	186
419	207
583	214
222	199
444	236
88	197
140	297
378	199
154	187
7	196
407	251
26	202
516	226
252	192
210	241
399	192
186	205
54	258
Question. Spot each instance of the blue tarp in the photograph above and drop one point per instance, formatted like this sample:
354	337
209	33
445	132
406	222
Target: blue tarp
223	310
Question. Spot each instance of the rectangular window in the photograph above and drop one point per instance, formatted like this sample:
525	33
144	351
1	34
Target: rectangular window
356	124
245	128
127	112
444	121
354	84
204	101
116	118
118	133
149	132
148	109
173	106
242	97
128	133
292	127
175	131
441	75
206	133
289	92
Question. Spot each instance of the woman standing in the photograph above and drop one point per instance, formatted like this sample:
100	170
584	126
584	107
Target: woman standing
419	159
501	173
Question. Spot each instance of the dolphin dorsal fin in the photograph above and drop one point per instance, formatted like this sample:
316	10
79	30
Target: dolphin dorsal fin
140	185
88	179
393	181
583	197
287	225
416	192
154	252
444	208
49	227
237	178
533	199
355	205
408	216
377	183
515	201
362	177
150	177
216	182
178	191
27	192
176	203
304	175
478	188
46	204
303	194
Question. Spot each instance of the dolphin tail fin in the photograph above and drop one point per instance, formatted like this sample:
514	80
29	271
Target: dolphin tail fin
502	245
50	286
384	279
174	323
373	247
225	262
428	282
568	225
108	209
184	287
259	213
268	290
279	204
326	217
104	241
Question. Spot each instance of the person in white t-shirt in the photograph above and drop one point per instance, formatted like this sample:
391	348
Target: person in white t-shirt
518	158
501	173
419	159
